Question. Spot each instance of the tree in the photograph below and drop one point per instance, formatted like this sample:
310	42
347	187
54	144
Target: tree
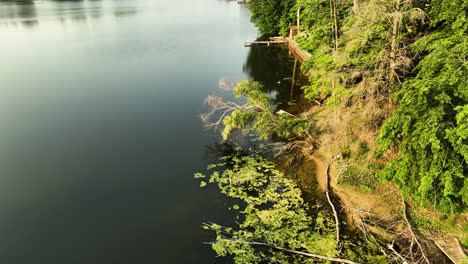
272	17
429	130
375	42
257	115
322	20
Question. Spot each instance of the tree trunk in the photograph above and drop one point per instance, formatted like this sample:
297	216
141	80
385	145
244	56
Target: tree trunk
292	99
298	19
355	6
394	46
334	15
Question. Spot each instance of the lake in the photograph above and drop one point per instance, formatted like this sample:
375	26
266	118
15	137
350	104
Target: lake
100	132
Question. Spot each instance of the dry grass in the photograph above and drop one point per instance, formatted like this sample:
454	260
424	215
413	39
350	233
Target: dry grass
348	141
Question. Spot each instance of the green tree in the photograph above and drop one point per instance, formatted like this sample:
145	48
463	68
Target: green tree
272	17
375	41
257	115
321	22
358	45
429	130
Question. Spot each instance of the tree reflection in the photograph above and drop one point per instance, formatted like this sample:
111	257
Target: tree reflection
19	12
125	11
30	13
279	73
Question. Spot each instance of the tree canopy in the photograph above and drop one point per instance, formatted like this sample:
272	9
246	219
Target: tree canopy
408	57
272	17
430	127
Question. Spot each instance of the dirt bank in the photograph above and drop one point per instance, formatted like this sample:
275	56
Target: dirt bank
381	203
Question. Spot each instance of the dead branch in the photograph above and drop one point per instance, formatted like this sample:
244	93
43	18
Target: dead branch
390	246
412	232
219	109
227	84
306	145
359	210
410	245
307	254
368	235
335	214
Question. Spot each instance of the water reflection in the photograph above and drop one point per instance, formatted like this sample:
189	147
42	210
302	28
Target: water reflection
99	128
31	14
125	12
18	12
280	74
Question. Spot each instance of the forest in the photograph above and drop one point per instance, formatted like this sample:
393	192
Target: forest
407	62
388	80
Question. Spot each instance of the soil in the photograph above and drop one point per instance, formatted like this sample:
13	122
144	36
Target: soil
382	203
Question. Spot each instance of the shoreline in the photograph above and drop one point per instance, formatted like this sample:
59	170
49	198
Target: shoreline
382	203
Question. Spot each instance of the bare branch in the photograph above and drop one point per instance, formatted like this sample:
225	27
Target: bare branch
307	254
219	109
390	246
412	233
335	214
227	84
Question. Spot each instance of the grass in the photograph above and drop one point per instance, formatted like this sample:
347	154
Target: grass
434	224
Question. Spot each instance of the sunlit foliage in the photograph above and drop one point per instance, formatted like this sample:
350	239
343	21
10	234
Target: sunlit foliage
272	17
272	211
258	116
430	128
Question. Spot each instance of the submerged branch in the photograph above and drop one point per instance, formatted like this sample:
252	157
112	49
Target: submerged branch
307	254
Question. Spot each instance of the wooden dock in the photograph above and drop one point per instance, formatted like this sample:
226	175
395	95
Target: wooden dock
452	249
302	55
265	43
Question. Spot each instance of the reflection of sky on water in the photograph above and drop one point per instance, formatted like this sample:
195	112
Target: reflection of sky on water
99	127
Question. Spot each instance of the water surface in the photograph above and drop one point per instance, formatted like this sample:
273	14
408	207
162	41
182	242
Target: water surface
99	126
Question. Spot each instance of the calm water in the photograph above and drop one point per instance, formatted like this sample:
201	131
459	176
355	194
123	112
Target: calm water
99	127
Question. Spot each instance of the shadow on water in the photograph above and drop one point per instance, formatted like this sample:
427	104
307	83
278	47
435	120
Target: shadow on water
279	71
280	74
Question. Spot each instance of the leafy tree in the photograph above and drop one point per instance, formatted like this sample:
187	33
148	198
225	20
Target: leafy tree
321	22
429	129
272	17
368	43
375	41
316	21
257	115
